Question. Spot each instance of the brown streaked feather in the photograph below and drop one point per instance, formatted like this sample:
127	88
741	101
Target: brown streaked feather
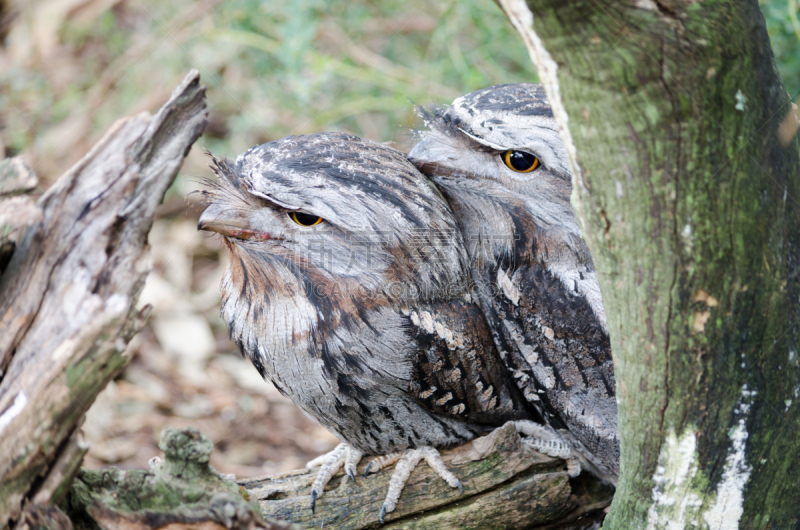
457	373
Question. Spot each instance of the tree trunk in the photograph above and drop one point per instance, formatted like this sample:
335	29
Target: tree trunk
68	295
688	199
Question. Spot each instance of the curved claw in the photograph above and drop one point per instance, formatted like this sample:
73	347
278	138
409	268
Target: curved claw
460	488
351	472
382	514
369	466
330	464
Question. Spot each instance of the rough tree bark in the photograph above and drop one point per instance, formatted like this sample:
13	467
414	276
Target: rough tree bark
180	491
688	198
68	295
17	210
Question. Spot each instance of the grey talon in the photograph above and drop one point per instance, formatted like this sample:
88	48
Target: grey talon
382	514
314	496
460	488
369	466
351	472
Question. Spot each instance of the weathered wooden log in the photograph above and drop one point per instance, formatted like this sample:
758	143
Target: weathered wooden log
17	210
506	485
68	296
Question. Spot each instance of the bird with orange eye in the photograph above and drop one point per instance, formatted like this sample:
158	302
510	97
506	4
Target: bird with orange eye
497	158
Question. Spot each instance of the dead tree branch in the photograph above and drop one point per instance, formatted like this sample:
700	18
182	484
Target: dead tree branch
68	296
506	485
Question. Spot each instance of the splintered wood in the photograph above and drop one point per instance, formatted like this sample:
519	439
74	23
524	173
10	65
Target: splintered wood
68	295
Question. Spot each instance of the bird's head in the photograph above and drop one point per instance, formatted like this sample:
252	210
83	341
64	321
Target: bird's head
333	209
500	146
497	155
505	133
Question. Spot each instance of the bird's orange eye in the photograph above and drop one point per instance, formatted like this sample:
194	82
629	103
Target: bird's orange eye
520	161
305	219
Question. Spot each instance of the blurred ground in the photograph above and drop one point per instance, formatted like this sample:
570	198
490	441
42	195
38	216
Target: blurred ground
69	68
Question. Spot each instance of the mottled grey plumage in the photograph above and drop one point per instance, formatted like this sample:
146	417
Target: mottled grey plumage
535	277
366	320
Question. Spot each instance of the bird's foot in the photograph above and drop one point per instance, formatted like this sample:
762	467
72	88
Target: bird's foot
550	443
342	454
406	462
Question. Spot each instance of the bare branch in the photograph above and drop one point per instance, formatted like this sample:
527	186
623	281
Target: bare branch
68	296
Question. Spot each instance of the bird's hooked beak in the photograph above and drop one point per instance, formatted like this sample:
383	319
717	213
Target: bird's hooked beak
425	160
227	222
432	169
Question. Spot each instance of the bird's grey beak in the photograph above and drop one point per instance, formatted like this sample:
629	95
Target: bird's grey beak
217	219
431	169
422	166
421	156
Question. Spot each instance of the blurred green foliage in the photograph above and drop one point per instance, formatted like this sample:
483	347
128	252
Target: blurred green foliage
273	68
783	25
355	65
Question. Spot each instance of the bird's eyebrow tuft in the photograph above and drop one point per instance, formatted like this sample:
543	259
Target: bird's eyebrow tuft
492	147
441	120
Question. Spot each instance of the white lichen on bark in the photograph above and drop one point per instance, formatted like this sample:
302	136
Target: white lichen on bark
727	509
674	506
13	411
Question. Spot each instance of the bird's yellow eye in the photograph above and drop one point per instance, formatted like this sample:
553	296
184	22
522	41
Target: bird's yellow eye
305	219
520	161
